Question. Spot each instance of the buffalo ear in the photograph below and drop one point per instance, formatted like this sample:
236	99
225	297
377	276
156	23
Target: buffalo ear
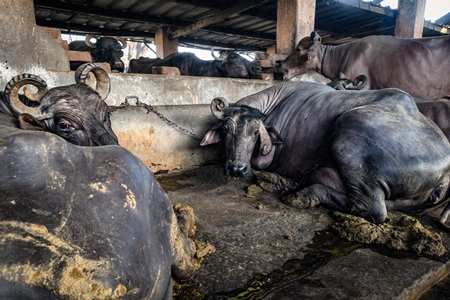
274	136
28	122
211	137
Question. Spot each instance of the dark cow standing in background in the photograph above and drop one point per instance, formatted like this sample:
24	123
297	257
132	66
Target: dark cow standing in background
359	152
81	222
420	67
105	49
137	64
230	64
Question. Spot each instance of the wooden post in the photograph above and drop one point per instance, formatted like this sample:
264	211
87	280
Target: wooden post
295	20
164	45
409	22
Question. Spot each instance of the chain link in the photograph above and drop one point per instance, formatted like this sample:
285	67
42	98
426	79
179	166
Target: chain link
151	109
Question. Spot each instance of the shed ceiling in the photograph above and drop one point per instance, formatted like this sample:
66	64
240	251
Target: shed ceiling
246	25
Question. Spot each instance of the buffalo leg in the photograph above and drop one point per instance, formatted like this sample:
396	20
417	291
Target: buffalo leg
372	209
443	218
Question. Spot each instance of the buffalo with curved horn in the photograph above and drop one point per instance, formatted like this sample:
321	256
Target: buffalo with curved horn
76	112
105	49
358	152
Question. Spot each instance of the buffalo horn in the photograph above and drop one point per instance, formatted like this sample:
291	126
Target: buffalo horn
12	95
122	41
314	38
218	107
360	81
103	85
88	40
265	142
215	57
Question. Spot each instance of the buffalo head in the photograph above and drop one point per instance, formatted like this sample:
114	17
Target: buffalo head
107	49
305	57
77	112
245	136
343	83
234	65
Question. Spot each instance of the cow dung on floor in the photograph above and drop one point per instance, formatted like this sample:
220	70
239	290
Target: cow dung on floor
399	232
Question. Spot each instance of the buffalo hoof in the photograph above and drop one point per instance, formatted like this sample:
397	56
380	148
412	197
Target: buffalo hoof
301	199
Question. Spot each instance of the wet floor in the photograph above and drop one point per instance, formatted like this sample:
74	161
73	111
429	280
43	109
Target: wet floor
267	250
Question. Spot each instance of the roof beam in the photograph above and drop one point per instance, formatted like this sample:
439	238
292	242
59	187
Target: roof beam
147	35
242	6
90	10
93	29
130	17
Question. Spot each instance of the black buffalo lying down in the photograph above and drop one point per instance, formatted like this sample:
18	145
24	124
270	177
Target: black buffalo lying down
230	64
359	152
82	222
104	49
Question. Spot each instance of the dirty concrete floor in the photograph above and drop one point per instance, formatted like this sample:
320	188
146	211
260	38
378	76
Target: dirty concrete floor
267	250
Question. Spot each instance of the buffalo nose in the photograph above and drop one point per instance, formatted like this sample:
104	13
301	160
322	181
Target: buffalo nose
237	170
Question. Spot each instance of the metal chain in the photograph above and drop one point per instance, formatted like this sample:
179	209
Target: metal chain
151	109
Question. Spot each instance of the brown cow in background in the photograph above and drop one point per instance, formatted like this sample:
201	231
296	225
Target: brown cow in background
420	67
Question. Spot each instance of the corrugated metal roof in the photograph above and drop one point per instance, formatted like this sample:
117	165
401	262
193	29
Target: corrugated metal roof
243	25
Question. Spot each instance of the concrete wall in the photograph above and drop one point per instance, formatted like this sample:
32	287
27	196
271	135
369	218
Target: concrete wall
161	146
25	45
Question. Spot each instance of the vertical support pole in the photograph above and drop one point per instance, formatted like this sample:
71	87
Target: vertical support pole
20	42
409	22
295	20
164	45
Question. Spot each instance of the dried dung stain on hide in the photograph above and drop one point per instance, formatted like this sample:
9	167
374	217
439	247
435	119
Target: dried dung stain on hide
64	271
186	219
399	231
100	187
130	199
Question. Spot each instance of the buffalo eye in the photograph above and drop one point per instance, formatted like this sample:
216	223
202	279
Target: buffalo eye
256	132
120	53
66	127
